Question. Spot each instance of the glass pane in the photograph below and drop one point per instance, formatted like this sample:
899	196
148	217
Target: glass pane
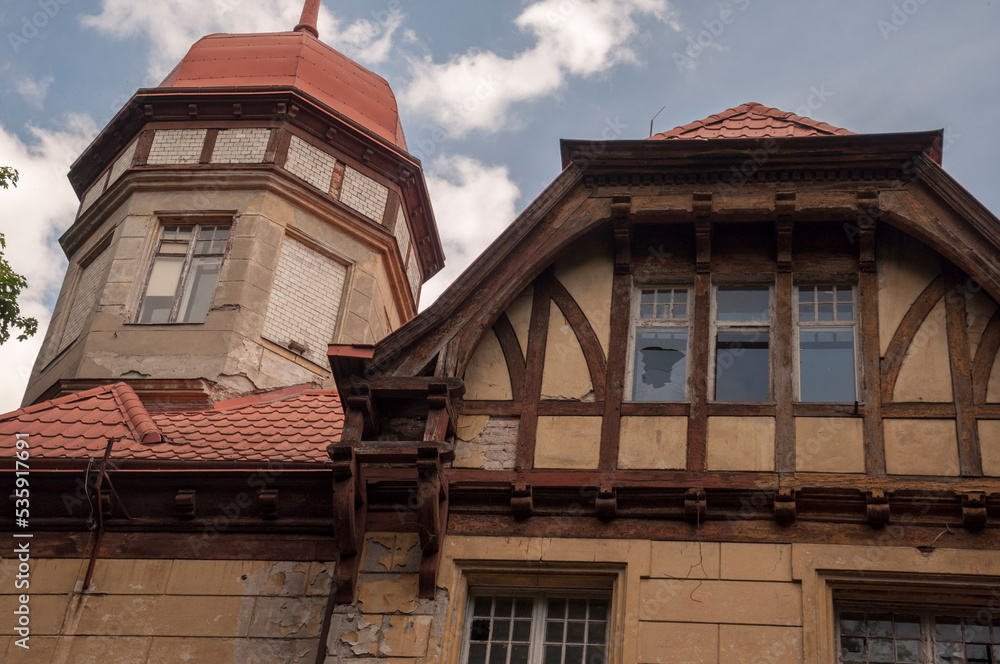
596	632
173	247
553	654
595	656
680	311
574	655
743	304
477	653
976	633
504	606
881	650
680	296
501	630
199	289
578	609
951	652
660	364
599	610
575	632
826	365
907	627
824	293
977	653
852	623
824	312
807	313
908	651
522	607
161	289
498	653
852	649
845	312
741	366
557	608
519	654
522	630
554	631
480	630
807	294
879	625
482	606
948	628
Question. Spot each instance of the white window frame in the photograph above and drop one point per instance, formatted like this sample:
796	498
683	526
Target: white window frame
540	597
715	326
189	256
637	322
805	325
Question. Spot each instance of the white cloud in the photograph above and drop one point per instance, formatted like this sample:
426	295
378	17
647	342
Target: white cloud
171	26
34	90
473	203
34	214
573	38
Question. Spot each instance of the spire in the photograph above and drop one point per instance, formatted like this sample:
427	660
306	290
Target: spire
310	15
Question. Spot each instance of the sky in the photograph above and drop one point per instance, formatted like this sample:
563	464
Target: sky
487	89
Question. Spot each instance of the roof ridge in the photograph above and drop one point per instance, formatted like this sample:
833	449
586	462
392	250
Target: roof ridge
69	398
750	108
135	414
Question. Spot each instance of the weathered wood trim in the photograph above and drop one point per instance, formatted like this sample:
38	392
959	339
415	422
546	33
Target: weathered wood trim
725	409
621	306
969	458
589	343
783	371
698	423
511	348
869	343
651	409
498	408
538	333
986	355
903	337
918	410
208	146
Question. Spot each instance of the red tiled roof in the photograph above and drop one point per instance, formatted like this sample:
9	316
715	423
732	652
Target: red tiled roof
292	424
753	120
292	59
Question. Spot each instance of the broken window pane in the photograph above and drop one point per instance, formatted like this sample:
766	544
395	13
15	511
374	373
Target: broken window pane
660	364
742	366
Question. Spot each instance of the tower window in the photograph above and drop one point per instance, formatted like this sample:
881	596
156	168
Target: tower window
184	272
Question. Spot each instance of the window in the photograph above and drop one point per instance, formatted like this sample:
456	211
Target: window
919	636
742	343
536	628
661	344
183	275
826	343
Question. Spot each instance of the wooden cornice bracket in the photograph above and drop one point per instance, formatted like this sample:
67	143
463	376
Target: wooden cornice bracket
360	400
974	516
441	414
349	516
868	213
621	212
268	500
606	503
695	505
877	508
186	503
783	231
432	516
703	244
522	502
785	510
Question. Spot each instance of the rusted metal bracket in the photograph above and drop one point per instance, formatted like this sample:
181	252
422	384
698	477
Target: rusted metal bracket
785	510
877	509
974	514
432	516
349	515
695	505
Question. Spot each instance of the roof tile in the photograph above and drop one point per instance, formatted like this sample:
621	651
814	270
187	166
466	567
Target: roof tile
752	120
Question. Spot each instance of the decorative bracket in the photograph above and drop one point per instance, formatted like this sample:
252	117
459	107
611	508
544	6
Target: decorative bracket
974	514
621	209
877	509
432	516
785	510
703	244
695	505
268	500
349	516
522	502
186	503
784	207
606	503
868	213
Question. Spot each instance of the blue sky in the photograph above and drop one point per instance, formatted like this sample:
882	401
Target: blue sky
507	79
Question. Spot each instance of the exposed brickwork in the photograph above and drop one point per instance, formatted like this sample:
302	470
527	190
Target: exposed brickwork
93	193
241	146
495	446
363	194
337	181
310	163
177	146
305	299
84	299
402	233
413	274
123	163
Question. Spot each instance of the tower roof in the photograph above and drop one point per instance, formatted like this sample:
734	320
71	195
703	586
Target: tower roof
753	120
292	59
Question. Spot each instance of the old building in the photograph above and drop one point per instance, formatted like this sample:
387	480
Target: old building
726	395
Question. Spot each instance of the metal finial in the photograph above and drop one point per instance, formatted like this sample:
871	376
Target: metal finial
310	16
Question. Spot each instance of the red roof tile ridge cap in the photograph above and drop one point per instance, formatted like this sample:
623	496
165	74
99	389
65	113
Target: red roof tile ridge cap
45	405
136	415
263	397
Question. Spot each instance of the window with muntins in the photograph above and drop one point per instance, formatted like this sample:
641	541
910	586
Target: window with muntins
536	628
918	636
184	272
826	316
660	342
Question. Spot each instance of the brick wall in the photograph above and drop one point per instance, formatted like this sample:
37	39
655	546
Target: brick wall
93	193
310	163
363	194
413	274
177	146
123	163
402	233
241	146
305	299
84	299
